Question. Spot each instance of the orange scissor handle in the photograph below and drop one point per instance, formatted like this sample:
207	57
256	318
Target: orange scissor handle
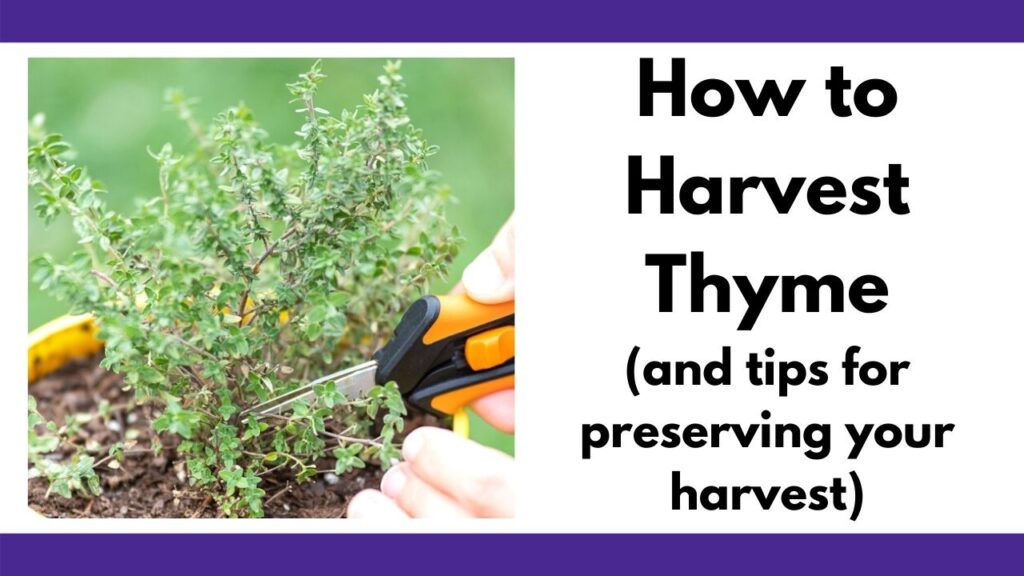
450	350
459	315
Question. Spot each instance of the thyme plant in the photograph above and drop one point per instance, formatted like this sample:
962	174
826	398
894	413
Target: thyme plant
254	268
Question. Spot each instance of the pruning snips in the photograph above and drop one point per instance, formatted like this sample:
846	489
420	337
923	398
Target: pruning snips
446	352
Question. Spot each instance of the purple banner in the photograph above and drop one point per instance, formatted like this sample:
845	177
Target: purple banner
520	21
493	555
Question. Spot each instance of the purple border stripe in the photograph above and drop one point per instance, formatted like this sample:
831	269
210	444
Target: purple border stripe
519	21
495	555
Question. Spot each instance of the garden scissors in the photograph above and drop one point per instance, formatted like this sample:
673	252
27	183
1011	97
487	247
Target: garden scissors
446	352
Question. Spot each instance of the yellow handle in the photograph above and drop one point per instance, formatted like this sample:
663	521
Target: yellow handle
460	423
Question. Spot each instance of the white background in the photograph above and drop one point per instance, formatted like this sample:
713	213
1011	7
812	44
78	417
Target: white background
585	297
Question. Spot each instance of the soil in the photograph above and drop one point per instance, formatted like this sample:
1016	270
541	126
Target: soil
149	486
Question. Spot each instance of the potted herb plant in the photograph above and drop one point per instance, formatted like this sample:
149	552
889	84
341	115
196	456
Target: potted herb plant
257	267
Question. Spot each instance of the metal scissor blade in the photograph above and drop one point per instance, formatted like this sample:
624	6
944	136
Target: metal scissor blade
352	382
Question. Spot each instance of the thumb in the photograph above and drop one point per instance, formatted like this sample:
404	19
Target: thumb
490	278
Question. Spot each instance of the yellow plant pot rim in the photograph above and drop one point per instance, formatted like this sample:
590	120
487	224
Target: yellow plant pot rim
76	336
55	343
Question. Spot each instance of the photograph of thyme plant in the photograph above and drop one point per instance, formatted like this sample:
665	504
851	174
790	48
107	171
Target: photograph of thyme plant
253	268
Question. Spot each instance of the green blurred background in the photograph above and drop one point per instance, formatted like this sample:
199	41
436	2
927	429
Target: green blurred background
110	110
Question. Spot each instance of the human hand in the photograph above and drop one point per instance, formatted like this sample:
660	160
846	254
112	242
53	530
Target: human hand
444	475
490	279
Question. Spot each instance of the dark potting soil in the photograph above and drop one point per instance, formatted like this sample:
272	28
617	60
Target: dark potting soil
149	486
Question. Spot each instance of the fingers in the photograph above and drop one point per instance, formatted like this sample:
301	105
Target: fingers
477	478
418	498
402	495
374	505
490	278
444	476
498	409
